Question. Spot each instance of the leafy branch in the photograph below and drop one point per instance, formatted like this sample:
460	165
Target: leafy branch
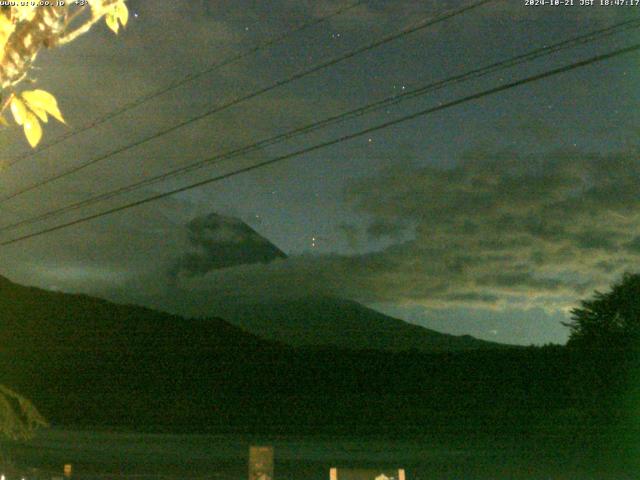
18	416
24	31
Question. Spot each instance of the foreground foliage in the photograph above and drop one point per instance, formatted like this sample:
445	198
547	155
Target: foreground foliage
19	418
24	31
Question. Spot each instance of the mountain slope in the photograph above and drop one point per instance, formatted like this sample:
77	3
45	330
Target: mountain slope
32	319
332	321
85	361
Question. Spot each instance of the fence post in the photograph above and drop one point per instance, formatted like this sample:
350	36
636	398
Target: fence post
260	463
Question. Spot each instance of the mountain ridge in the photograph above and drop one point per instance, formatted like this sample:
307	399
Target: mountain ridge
222	378
37	319
40	319
327	321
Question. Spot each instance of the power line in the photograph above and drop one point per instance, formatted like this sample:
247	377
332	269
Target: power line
384	103
344	138
402	33
184	80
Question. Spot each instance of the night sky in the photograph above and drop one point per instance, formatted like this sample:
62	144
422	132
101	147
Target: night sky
492	218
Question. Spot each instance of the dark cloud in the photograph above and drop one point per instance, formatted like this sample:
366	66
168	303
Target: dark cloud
499	231
633	245
515	228
494	231
385	228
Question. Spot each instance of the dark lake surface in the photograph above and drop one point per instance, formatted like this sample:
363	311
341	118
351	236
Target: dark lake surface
113	454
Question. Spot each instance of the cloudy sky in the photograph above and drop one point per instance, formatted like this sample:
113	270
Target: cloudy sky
491	218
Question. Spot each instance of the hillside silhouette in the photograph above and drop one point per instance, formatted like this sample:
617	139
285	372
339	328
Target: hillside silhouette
87	362
37	320
336	322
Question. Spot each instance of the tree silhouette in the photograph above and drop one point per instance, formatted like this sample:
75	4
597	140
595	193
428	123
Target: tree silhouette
605	352
609	320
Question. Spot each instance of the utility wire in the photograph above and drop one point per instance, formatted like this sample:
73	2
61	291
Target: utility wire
402	33
183	81
384	103
344	138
